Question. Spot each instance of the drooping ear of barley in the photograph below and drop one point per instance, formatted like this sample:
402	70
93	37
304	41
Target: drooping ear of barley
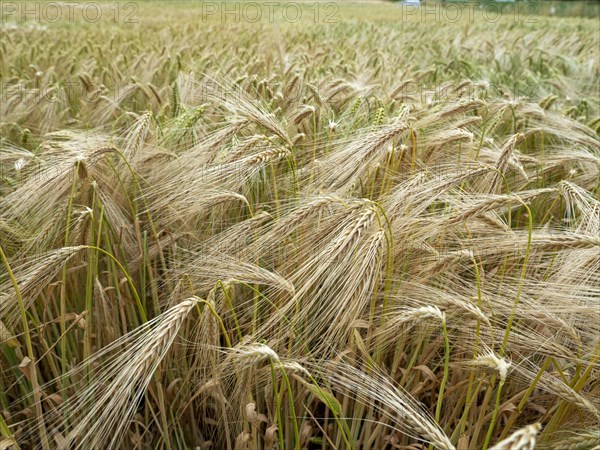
96	415
32	276
357	156
523	439
398	408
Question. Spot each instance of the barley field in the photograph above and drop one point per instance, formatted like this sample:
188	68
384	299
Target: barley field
313	226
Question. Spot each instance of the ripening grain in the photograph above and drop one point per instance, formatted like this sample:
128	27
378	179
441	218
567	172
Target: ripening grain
370	234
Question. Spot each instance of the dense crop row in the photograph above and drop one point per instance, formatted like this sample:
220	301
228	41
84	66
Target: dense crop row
369	234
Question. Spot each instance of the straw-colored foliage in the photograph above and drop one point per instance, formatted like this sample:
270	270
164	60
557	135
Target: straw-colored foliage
370	234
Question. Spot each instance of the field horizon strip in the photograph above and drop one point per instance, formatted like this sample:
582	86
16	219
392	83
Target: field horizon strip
299	225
